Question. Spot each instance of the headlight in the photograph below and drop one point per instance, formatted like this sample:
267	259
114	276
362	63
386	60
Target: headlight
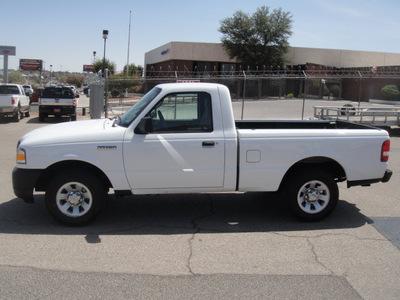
21	156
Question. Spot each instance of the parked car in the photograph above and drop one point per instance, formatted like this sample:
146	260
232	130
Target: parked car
28	90
57	101
13	101
37	93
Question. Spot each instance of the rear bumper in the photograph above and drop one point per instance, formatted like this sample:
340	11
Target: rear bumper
24	181
57	110
368	182
8	109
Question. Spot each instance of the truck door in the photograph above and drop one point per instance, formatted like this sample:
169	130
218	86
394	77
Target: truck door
183	150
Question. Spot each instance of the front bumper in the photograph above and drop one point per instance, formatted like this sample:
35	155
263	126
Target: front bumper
24	182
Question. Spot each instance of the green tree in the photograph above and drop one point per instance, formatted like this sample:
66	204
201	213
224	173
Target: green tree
75	80
16	77
260	39
111	66
133	69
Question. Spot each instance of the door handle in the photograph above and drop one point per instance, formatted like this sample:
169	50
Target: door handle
208	144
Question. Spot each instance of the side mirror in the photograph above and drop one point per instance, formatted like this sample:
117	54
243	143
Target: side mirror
145	126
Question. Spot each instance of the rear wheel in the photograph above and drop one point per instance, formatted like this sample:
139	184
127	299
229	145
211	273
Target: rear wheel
75	198
17	116
42	116
311	194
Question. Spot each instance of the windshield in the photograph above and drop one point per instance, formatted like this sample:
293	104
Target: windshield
135	110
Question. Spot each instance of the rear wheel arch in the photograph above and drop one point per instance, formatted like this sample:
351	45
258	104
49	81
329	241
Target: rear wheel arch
318	162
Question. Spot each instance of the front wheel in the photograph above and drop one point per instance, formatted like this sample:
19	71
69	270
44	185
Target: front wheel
311	194
75	198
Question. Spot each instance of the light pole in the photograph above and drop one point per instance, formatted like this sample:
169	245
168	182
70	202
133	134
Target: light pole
94	57
51	74
105	37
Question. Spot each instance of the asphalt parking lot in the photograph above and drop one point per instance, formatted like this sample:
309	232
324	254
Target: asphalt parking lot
219	246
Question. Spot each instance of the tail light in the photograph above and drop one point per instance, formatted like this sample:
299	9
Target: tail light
13	100
385	151
74	102
40	101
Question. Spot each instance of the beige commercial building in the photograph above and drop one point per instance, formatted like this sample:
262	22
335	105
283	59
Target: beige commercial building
189	56
332	72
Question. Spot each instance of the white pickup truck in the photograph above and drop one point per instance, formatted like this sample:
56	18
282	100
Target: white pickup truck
182	138
13	101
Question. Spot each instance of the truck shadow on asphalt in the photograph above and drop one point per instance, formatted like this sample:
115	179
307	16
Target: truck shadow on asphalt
176	214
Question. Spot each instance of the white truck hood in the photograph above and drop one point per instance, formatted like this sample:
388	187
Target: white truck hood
80	132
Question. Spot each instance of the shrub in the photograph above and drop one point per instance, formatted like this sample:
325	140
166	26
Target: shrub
334	90
114	93
390	92
289	95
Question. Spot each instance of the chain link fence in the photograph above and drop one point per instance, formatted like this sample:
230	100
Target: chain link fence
361	84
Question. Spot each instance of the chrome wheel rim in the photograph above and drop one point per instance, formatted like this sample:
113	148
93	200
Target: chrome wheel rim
313	197
74	199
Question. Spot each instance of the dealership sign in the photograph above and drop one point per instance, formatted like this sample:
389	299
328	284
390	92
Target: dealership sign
88	68
30	64
7	50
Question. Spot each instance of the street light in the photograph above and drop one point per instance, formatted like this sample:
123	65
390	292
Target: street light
94	57
51	74
105	37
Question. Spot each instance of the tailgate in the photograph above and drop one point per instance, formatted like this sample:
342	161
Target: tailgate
58	101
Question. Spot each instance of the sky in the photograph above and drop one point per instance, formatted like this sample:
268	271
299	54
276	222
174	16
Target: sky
64	34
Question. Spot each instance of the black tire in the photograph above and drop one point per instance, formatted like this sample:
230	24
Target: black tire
27	113
73	118
311	194
42	116
75	197
17	116
348	110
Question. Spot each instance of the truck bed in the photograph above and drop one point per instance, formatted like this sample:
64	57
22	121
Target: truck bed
295	124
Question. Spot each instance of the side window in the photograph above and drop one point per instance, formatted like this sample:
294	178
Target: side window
183	112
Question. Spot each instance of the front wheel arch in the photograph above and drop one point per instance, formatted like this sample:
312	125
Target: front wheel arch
53	170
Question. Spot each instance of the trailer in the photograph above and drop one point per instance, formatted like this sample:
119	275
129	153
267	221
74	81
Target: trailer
374	116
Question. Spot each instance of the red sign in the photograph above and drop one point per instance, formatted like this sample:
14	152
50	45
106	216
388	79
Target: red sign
30	64
88	68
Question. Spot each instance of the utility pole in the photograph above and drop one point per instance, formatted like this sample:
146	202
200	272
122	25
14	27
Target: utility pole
129	41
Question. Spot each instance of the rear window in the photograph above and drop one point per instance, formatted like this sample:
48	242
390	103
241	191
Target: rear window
58	92
8	90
